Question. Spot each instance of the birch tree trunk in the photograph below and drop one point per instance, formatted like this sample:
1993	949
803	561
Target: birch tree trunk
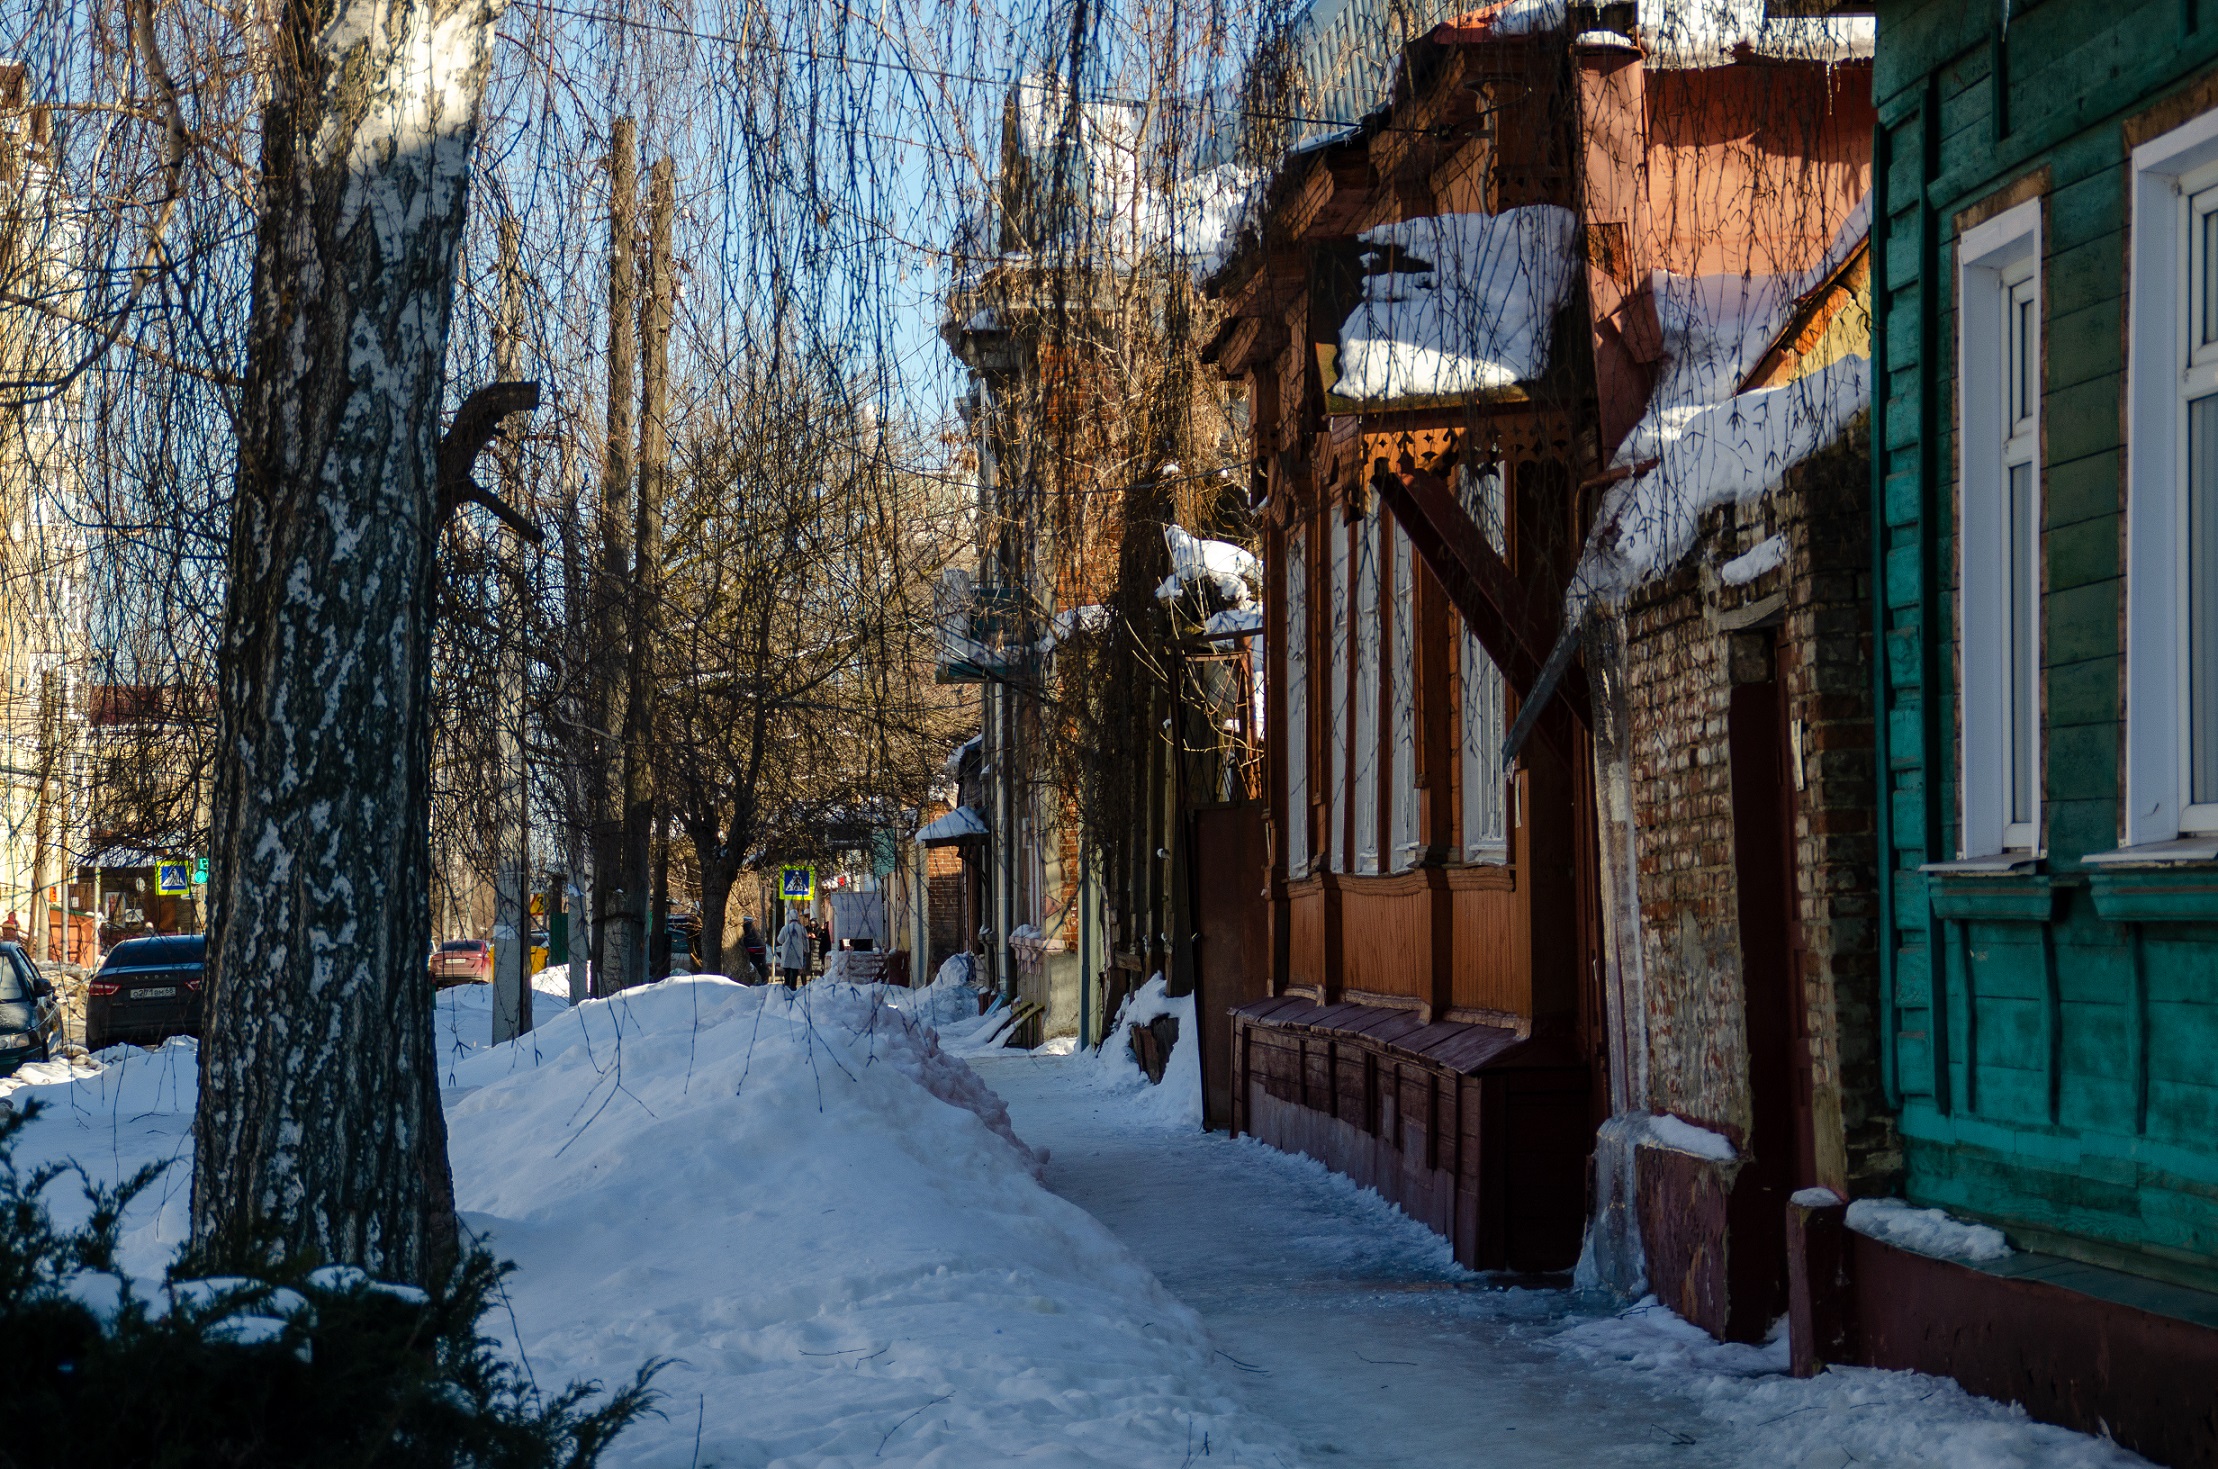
319	1127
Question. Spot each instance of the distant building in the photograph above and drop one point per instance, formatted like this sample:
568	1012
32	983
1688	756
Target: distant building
44	620
1099	446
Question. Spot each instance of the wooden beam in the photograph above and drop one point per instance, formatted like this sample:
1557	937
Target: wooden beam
1516	634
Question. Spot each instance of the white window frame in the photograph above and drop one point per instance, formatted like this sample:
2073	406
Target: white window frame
1999	383
2164	371
1339	562
1371	613
1408	847
1485	787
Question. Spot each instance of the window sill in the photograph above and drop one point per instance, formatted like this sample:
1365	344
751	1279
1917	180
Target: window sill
2001	864
2000	889
2197	848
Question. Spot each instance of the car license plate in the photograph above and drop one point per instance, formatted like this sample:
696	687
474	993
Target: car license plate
158	992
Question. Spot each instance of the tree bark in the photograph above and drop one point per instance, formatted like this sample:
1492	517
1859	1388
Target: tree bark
627	946
319	1130
611	585
717	873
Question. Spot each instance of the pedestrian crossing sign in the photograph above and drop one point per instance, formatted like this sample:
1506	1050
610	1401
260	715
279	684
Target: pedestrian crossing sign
797	884
173	878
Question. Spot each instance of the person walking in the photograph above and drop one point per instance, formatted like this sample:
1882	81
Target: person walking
754	953
793	952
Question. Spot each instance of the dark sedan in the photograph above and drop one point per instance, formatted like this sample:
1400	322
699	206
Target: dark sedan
146	991
30	1012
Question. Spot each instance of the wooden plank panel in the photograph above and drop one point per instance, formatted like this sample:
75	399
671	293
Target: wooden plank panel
1387	927
1490	960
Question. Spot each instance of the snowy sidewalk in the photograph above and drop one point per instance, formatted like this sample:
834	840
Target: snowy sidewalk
1352	1327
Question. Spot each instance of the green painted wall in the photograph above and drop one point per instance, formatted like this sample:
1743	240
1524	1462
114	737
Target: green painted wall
2056	1068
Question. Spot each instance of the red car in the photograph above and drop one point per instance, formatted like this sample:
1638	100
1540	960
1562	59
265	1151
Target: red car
462	961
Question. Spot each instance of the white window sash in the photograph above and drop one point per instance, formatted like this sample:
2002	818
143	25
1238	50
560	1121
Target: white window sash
1370	622
1297	704
1998	579
2163	375
1485	834
1409	844
2198	384
1336	781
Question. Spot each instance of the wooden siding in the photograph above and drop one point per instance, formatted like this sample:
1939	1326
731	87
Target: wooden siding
1475	1131
2051	1060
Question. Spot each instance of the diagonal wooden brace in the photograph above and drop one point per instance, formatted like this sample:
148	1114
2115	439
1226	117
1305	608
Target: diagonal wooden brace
1517	634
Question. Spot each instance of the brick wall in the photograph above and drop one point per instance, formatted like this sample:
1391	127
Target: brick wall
1680	653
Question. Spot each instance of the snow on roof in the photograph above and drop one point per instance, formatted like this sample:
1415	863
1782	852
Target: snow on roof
1235	573
1468	309
1109	189
1707	443
961	824
1689	34
1234	622
955	760
1685	34
1506	18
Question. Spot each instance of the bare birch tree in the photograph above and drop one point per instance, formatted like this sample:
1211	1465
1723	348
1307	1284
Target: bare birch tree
319	1128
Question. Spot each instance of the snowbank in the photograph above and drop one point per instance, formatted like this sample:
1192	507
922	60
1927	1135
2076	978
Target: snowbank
1926	1231
1845	1415
1469	306
821	1216
1113	1069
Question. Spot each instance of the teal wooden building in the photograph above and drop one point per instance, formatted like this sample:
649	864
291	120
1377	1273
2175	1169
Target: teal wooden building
2045	435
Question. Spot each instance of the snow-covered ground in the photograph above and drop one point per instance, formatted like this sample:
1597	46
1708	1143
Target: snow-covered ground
1353	1327
832	1227
819	1216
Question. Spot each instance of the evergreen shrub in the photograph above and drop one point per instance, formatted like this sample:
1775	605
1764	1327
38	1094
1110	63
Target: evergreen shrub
291	1365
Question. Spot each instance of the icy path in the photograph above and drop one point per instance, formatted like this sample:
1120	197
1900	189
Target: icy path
1369	1344
1355	1330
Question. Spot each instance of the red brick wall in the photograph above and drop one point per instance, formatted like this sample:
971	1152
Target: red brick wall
1678	667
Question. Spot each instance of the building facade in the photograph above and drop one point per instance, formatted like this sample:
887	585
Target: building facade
2045	566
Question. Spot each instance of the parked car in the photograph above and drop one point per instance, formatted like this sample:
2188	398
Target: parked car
30	1011
462	961
146	990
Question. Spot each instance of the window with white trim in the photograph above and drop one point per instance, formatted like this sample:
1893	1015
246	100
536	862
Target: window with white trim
2198	521
1408	842
1370	621
1485	788
1999	532
2172	488
1336	711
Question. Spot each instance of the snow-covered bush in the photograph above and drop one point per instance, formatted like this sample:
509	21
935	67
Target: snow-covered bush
293	1366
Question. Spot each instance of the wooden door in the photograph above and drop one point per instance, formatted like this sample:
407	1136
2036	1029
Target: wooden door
1232	957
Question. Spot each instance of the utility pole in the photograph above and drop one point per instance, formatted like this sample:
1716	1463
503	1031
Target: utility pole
616	548
626	946
512	832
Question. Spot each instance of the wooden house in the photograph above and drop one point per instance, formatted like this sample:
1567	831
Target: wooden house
2047	216
1518	693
